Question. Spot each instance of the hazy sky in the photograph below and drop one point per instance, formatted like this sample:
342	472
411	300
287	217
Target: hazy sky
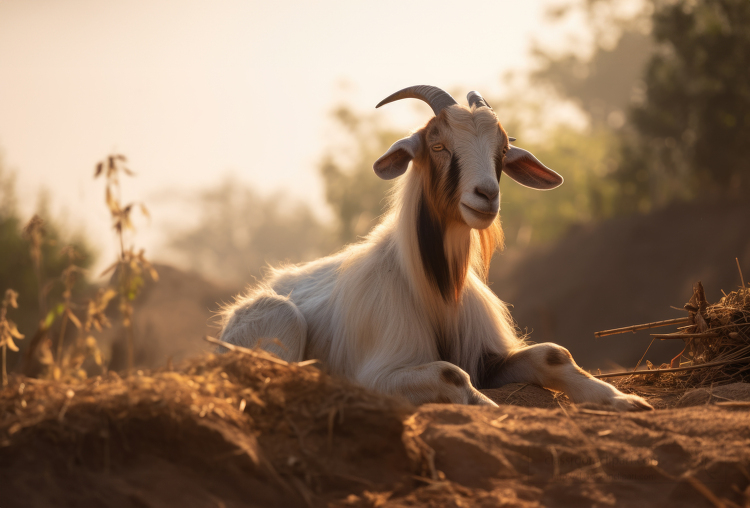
191	91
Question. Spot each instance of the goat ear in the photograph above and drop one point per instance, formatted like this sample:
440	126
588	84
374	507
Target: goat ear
524	168
394	162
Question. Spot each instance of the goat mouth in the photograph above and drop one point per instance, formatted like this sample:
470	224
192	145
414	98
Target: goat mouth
480	212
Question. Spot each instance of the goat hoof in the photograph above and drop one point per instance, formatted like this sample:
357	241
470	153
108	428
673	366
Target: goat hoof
477	398
629	402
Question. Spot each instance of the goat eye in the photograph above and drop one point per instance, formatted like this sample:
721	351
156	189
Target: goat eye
437	148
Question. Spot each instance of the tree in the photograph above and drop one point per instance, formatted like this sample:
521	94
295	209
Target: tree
690	134
356	196
17	270
240	232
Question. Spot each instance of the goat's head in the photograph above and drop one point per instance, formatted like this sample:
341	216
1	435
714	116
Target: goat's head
461	153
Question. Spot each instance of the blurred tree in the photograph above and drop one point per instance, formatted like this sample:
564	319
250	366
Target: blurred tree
603	80
602	85
690	133
586	160
356	196
16	267
240	232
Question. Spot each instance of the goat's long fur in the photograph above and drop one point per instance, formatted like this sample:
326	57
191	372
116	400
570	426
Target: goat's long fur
408	306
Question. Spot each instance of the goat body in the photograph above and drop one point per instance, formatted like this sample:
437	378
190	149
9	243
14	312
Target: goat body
407	310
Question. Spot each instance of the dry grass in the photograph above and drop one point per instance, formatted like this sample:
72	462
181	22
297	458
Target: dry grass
717	346
131	266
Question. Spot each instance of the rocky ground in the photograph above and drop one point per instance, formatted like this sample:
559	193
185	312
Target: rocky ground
240	430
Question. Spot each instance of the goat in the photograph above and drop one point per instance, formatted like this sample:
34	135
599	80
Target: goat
407	311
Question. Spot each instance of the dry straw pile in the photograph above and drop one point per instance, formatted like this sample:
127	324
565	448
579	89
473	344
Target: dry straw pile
717	344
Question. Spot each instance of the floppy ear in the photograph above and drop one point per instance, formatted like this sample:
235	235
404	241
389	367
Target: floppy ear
394	162
524	168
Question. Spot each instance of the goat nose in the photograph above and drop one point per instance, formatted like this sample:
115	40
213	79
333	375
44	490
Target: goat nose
488	193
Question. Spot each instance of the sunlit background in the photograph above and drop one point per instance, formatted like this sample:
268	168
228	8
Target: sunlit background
193	92
251	130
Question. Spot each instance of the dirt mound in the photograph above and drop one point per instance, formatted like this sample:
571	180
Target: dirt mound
701	396
240	430
230	428
526	395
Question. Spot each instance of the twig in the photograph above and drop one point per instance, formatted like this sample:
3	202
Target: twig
597	412
644	355
742	279
240	349
705	492
676	369
516	391
646	326
731	404
665	336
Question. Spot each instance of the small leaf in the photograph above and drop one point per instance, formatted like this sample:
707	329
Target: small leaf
144	211
49	319
11	345
126	222
14	331
110	268
107	296
59	309
99	168
114	207
11	296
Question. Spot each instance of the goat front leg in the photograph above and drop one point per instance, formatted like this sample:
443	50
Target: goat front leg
435	382
552	366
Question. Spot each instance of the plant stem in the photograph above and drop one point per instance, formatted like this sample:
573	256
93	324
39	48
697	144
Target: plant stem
635	328
129	339
62	338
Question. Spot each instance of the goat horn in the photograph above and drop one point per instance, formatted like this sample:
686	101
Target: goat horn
436	98
476	99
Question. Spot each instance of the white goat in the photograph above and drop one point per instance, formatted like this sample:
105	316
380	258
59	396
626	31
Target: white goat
406	311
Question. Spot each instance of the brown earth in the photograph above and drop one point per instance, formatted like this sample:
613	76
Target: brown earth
239	430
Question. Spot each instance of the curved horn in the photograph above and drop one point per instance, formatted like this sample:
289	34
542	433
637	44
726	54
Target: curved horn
436	98
475	99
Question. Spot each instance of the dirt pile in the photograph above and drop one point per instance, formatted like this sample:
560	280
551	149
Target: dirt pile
239	430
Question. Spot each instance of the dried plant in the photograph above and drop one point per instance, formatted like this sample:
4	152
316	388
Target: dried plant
130	266
8	330
68	278
86	345
34	233
717	344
